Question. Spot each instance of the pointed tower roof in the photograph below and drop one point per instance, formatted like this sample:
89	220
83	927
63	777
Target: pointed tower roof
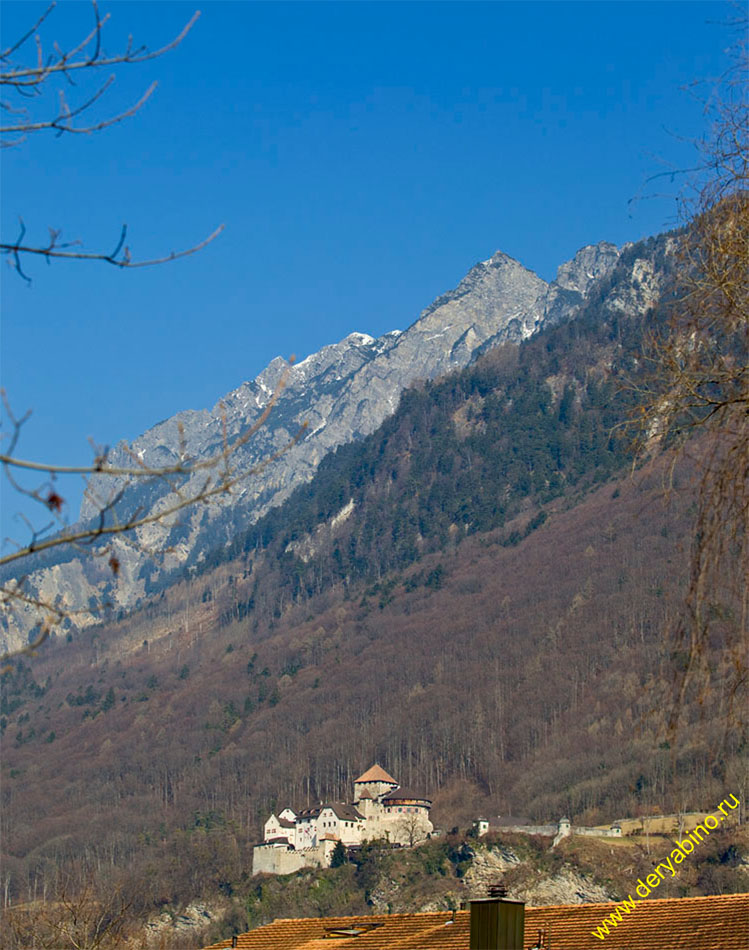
376	774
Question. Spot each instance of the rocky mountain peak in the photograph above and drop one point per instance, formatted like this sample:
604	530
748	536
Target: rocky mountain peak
500	259
342	392
499	276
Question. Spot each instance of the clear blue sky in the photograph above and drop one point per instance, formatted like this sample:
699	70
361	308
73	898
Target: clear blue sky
362	155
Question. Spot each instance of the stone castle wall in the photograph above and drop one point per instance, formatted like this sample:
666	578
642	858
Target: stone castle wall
270	860
529	829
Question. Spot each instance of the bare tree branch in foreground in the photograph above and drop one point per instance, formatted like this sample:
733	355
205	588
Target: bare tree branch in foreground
34	98
119	257
49	74
29	81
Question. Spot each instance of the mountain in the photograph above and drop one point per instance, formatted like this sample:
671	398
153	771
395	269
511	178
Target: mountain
477	594
343	392
471	451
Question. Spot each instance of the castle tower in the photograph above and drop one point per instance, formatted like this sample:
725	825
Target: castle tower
374	783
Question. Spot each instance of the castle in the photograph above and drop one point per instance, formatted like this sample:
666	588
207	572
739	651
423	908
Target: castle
381	809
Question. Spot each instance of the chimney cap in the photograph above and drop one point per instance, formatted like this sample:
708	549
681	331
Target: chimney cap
490	900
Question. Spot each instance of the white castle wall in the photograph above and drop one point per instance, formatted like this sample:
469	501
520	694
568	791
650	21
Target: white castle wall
597	832
269	860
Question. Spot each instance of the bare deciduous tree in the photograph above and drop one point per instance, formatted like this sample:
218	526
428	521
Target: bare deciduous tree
411	828
699	401
77	918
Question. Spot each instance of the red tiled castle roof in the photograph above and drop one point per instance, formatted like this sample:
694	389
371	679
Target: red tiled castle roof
376	774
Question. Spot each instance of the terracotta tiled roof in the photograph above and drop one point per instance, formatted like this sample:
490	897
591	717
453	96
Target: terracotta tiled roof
285	823
376	774
690	923
309	933
687	923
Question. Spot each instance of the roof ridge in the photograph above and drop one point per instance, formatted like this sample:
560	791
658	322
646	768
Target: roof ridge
363	917
439	913
654	900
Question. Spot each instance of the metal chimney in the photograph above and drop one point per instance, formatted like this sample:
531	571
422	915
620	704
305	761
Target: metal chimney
496	922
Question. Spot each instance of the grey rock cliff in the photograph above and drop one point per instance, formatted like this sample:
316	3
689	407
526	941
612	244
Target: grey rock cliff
342	392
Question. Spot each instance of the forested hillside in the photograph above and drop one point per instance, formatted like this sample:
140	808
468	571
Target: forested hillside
474	596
